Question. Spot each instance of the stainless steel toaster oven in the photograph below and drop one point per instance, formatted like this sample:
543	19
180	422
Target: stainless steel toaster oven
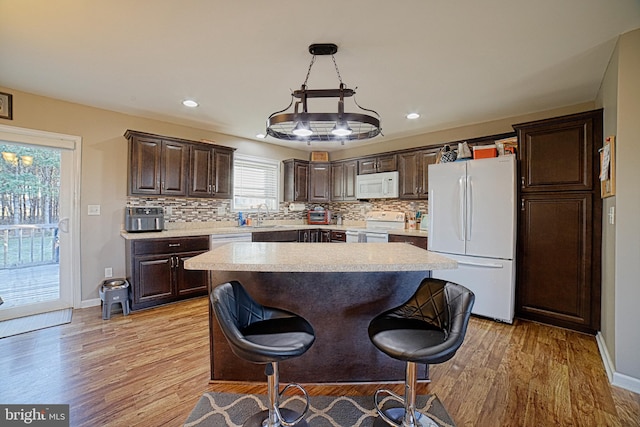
140	219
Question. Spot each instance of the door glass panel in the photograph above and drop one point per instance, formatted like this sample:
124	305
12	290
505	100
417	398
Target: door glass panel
29	234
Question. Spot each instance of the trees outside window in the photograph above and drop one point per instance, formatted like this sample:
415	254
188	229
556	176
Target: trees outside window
29	185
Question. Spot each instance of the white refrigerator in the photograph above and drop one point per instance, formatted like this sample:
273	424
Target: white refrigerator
472	219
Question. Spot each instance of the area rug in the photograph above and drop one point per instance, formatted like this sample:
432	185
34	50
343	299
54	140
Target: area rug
35	322
231	410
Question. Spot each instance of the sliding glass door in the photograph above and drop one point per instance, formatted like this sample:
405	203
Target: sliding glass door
38	226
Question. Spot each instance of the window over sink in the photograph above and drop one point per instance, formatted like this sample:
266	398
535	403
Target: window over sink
255	183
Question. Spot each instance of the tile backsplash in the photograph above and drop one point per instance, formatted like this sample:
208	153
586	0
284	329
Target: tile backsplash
192	210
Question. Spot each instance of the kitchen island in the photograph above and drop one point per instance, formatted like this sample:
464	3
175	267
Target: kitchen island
338	288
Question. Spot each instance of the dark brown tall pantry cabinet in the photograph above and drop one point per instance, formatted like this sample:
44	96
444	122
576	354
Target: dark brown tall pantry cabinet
560	221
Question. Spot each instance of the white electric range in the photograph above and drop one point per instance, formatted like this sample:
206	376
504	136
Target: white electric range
378	224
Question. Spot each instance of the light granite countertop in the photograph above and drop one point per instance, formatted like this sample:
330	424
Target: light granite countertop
303	257
208	230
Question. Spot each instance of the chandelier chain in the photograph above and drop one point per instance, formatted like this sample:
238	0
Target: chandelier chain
337	71
313	59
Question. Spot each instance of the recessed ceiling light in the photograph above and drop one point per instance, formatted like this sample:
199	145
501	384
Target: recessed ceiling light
261	135
189	103
412	116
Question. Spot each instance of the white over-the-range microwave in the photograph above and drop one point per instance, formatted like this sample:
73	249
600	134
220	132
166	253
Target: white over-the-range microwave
382	185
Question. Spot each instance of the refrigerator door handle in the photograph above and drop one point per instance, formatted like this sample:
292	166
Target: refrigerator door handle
479	264
461	216
469	206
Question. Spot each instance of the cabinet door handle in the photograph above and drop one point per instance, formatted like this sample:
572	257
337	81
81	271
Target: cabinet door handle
213	187
522	205
171	263
174	245
522	181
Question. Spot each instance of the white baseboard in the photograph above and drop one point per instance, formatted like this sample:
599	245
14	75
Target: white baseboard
615	378
626	382
90	303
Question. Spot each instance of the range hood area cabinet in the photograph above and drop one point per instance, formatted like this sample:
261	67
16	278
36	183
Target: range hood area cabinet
167	166
560	222
378	164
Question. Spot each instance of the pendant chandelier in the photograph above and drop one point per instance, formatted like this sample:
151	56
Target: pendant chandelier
302	125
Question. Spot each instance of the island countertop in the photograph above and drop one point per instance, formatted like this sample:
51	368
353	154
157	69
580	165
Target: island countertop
324	257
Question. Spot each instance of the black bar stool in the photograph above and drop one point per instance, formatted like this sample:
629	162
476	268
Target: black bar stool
263	335
428	328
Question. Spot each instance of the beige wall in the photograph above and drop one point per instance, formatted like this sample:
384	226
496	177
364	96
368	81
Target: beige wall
608	99
627	244
620	97
464	132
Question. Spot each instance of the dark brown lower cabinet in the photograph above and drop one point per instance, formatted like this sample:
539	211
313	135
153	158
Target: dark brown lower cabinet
418	241
156	273
275	236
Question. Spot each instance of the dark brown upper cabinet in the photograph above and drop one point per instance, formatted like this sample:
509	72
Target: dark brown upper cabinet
160	165
376	164
413	170
296	180
157	166
210	172
557	154
343	180
319	182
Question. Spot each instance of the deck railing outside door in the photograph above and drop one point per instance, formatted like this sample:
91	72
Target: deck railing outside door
28	245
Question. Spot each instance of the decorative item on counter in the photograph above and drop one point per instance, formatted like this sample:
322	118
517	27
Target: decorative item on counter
240	220
411	220
447	155
464	152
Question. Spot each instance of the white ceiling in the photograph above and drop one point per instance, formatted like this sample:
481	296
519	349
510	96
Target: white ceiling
455	62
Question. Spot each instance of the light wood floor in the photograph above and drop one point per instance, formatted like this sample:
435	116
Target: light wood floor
150	368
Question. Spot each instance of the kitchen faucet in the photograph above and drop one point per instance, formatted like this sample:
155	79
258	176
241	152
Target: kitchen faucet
259	220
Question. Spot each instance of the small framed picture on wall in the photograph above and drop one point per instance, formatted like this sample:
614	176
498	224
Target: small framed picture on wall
6	107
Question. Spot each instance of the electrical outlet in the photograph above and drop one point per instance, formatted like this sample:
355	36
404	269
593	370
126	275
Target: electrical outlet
612	215
222	210
108	272
168	210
